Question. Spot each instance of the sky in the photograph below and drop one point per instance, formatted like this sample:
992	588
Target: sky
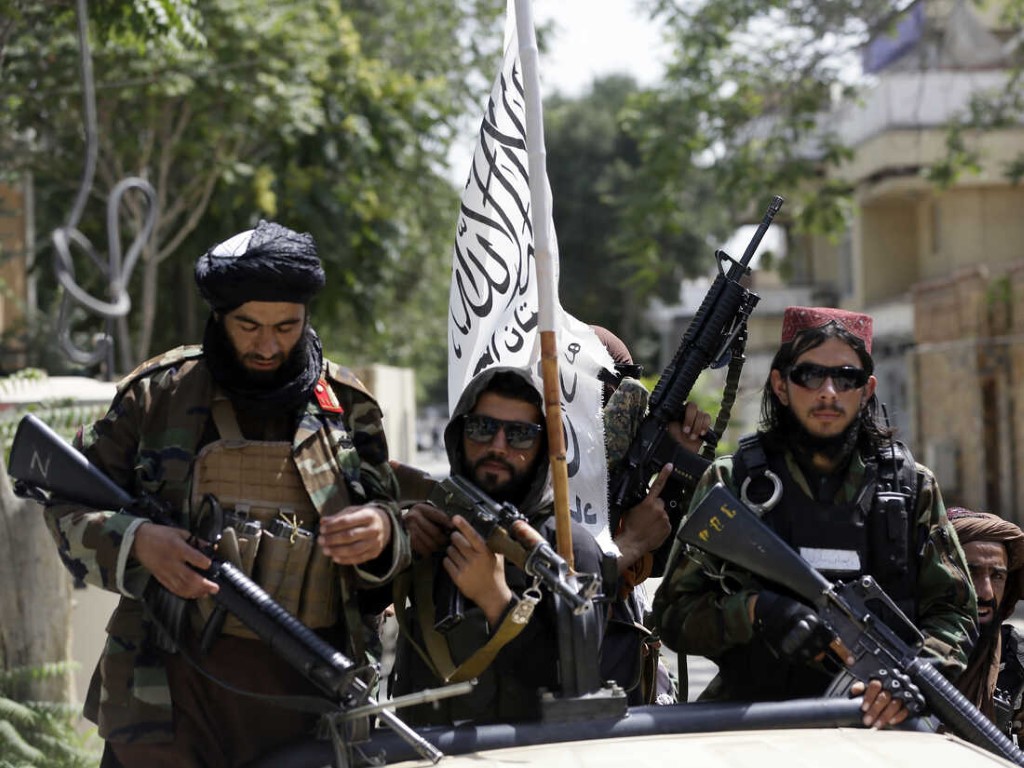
591	38
595	38
601	37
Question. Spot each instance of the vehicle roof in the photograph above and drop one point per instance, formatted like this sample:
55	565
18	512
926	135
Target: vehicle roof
793	747
818	733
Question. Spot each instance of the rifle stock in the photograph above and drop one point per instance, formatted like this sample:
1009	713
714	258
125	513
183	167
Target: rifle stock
725	527
41	461
716	334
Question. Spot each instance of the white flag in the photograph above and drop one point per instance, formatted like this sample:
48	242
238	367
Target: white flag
493	302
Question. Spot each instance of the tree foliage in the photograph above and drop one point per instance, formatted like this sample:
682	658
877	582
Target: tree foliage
614	255
331	117
747	93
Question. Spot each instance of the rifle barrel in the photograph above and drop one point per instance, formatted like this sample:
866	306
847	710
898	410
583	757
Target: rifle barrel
755	241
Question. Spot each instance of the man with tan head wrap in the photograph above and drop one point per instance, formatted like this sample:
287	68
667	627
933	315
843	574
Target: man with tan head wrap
994	679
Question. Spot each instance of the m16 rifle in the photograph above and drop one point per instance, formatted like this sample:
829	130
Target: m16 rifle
867	645
716	336
47	469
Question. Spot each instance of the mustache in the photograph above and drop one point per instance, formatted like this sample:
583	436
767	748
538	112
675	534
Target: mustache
829	408
987	604
495	459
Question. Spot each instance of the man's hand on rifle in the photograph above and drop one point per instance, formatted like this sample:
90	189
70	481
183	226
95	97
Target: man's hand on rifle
689	430
880	707
429	528
167	553
355	535
644	527
478	572
789	628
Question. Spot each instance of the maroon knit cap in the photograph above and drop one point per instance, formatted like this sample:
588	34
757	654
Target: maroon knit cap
799	319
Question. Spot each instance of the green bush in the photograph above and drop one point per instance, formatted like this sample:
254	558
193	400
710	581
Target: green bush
40	733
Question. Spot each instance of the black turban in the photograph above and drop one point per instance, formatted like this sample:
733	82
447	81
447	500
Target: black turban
269	263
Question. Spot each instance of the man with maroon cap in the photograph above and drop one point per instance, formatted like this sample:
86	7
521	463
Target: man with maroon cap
825	473
994	679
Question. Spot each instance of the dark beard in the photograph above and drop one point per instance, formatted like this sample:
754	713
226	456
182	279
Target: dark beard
512	491
289	385
805	446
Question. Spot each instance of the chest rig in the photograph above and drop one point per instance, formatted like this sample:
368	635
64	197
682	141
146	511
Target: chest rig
270	523
875	532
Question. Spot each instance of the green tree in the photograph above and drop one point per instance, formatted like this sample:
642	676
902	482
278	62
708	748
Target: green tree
619	247
747	91
324	115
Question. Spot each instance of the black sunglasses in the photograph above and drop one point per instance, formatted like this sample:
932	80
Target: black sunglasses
812	376
521	435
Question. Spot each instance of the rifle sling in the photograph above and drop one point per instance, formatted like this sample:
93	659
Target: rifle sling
309	704
437	655
732	385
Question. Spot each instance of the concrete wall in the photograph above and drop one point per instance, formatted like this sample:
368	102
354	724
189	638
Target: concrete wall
968	363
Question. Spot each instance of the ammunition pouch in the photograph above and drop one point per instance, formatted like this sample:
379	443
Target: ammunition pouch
269	529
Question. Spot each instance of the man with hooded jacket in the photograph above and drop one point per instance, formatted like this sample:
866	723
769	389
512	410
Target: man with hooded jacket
292	447
496	440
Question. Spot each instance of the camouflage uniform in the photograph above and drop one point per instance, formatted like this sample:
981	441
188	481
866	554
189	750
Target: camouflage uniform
146	443
623	414
698	615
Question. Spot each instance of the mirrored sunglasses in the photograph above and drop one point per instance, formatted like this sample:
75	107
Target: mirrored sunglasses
812	376
521	435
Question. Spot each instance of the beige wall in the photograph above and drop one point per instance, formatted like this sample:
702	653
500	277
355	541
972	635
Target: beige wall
888	243
969	365
978	225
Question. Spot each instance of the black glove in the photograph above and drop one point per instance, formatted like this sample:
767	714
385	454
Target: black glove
901	687
789	628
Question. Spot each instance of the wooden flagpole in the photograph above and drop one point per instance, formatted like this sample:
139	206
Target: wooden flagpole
540	213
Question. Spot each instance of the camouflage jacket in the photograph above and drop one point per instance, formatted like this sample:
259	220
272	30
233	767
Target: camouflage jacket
699	615
622	416
146	443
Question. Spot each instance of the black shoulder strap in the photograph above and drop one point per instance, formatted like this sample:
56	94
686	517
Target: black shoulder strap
751	461
897	539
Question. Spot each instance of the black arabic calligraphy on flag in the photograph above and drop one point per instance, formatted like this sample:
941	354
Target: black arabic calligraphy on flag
493	305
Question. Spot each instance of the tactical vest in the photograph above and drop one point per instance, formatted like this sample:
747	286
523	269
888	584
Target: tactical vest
876	533
270	523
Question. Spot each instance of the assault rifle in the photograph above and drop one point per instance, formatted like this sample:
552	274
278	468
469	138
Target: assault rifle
723	526
507	532
716	336
46	468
